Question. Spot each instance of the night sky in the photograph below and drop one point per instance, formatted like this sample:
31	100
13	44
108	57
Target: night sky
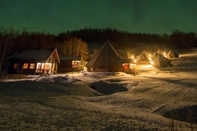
56	16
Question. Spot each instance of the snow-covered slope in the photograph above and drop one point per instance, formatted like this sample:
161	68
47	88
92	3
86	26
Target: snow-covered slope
104	101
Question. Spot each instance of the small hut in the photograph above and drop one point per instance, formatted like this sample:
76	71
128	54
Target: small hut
107	59
160	51
161	61
143	58
172	54
145	53
69	63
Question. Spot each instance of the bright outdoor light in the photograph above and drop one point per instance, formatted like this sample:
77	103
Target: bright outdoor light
151	62
164	54
84	68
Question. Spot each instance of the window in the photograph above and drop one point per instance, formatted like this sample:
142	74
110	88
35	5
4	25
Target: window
16	65
32	66
25	65
38	67
47	66
75	64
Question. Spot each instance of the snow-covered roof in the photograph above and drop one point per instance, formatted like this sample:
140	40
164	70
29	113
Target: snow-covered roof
172	54
33	54
106	56
142	57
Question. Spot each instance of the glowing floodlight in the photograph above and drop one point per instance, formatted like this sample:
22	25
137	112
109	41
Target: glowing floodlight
151	62
164	54
132	57
84	68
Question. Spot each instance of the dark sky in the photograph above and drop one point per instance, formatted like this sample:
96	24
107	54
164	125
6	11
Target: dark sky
56	16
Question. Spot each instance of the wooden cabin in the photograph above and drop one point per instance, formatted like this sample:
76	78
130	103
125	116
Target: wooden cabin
69	63
34	61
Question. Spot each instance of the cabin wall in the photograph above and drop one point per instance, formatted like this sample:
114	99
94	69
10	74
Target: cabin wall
67	66
32	67
54	67
13	69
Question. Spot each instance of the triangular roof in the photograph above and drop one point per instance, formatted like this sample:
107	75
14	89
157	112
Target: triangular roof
145	53
172	54
153	55
142	57
160	51
160	60
106	56
40	55
160	57
129	56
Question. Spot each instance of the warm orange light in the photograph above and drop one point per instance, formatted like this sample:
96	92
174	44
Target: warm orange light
16	66
32	66
84	68
164	54
25	65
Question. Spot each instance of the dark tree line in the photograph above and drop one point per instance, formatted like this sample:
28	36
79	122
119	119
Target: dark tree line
122	39
76	42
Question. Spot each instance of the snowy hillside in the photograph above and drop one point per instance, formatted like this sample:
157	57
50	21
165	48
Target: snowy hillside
104	101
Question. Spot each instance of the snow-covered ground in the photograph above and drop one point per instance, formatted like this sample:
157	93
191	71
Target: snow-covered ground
104	101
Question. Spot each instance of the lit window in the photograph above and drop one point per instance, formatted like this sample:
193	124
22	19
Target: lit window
16	66
38	67
75	64
25	65
47	66
32	66
42	65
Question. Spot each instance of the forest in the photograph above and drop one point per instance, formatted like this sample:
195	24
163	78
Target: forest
76	43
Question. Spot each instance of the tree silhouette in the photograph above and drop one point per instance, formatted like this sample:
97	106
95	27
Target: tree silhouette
75	43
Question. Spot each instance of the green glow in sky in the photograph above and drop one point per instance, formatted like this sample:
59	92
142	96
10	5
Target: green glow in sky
56	16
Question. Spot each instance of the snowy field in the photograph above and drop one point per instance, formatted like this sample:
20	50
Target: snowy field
155	99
